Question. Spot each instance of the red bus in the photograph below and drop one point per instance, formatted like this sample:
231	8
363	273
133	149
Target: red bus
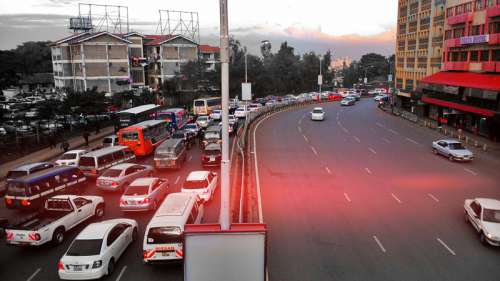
142	138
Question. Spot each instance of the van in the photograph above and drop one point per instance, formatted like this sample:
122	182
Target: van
31	191
24	170
170	154
111	140
95	162
164	233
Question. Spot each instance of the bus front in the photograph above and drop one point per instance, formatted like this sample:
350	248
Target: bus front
133	138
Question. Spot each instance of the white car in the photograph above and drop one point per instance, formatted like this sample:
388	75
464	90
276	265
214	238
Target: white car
453	149
241	112
203	121
232	119
254	107
379	97
118	177
95	251
192	127
216	114
203	183
318	114
484	215
70	158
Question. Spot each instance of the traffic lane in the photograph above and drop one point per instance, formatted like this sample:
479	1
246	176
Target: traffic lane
46	257
426	217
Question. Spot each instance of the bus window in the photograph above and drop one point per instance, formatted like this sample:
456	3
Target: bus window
199	103
130	136
86	161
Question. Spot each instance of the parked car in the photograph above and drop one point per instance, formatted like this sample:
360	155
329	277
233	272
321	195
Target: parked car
3	132
188	137
96	250
318	114
484	215
170	154
347	101
25	130
202	121
70	158
144	194
334	97
212	155
202	183
453	149
60	214
118	177
216	114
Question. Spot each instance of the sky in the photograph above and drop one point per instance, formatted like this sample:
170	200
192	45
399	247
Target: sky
347	28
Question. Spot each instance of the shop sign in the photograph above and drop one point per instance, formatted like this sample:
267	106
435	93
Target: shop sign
476	39
450	90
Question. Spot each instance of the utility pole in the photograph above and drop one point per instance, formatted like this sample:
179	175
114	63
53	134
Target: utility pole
320	58
225	164
246	67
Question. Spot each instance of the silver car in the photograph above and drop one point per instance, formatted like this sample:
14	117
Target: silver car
120	176
144	194
453	149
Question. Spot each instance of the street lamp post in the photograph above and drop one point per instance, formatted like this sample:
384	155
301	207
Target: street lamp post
225	164
320	58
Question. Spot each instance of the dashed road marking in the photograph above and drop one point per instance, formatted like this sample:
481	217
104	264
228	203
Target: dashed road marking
379	243
328	170
368	171
446	246
300	129
339	124
433	197
305	138
396	198
386	140
121	273
177	179
394	132
347	197
380	125
471	171
34	274
314	150
345	130
357	139
372	150
190	157
412	141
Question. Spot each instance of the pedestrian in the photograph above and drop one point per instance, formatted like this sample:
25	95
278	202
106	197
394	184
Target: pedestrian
52	140
65	146
97	127
86	137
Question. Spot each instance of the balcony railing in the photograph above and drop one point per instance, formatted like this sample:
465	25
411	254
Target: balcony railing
439	18
456	65
460	18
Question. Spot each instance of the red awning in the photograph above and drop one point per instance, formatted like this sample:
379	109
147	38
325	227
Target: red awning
465	79
461	107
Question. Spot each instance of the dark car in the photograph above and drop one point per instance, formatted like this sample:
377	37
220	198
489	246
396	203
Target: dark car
188	137
3	226
212	155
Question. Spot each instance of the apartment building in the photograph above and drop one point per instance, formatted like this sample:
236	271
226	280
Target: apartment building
209	55
466	94
418	45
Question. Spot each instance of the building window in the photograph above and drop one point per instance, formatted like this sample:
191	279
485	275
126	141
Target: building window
468	7
475	30
484	55
399	83
474	56
479	5
409	84
448	34
450	12
496	55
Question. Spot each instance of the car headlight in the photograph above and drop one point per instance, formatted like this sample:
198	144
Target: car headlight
97	264
489	235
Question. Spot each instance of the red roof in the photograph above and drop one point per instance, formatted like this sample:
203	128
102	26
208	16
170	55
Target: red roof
157	39
465	79
209	49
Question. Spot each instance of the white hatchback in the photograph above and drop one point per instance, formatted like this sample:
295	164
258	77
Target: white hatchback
202	183
70	158
95	251
318	114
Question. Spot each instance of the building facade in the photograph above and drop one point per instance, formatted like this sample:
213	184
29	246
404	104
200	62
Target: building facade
466	94
419	41
209	55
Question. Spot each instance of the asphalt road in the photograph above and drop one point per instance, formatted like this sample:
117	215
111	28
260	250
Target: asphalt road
31	264
360	196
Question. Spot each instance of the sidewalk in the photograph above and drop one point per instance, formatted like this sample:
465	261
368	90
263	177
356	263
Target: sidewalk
48	154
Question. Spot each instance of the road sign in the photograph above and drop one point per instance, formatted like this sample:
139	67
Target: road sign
389	78
320	79
246	91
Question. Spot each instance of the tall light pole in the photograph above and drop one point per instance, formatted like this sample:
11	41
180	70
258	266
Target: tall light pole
320	67
246	67
225	164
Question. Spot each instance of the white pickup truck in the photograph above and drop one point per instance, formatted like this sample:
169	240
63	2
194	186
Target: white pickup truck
60	214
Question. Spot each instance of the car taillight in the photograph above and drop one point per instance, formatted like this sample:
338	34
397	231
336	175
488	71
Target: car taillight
123	202
34	236
9	235
8	201
114	184
25	202
93	171
145	201
60	265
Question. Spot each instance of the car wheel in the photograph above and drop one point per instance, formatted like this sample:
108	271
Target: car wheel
482	238
450	157
99	211
111	266
134	234
58	236
434	151
466	216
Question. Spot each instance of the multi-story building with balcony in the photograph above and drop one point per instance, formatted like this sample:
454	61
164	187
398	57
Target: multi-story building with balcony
209	55
418	44
466	94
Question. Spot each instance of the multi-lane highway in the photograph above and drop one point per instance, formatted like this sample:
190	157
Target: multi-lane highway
360	196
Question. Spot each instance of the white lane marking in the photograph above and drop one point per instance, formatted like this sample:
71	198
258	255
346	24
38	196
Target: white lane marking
121	273
396	198
373	130
372	150
314	150
177	179
379	243
357	139
446	246
300	129
412	141
257	178
347	197
380	125
368	171
394	132
328	170
345	130
190	157
339	124
471	171
305	138
386	140
433	197
34	274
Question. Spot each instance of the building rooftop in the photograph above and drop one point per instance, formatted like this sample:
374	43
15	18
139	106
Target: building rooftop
209	49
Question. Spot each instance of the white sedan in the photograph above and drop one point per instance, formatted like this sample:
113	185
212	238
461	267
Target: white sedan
70	158
452	149
95	251
484	215
318	114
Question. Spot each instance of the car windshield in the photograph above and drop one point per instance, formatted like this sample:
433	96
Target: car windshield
16	174
68	156
81	247
195	184
202	118
179	135
491	215
212	152
112	173
456	146
190	126
164	235
317	111
135	190
16	189
199	103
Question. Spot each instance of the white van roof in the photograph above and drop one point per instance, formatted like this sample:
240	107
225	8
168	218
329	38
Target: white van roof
174	210
105	150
